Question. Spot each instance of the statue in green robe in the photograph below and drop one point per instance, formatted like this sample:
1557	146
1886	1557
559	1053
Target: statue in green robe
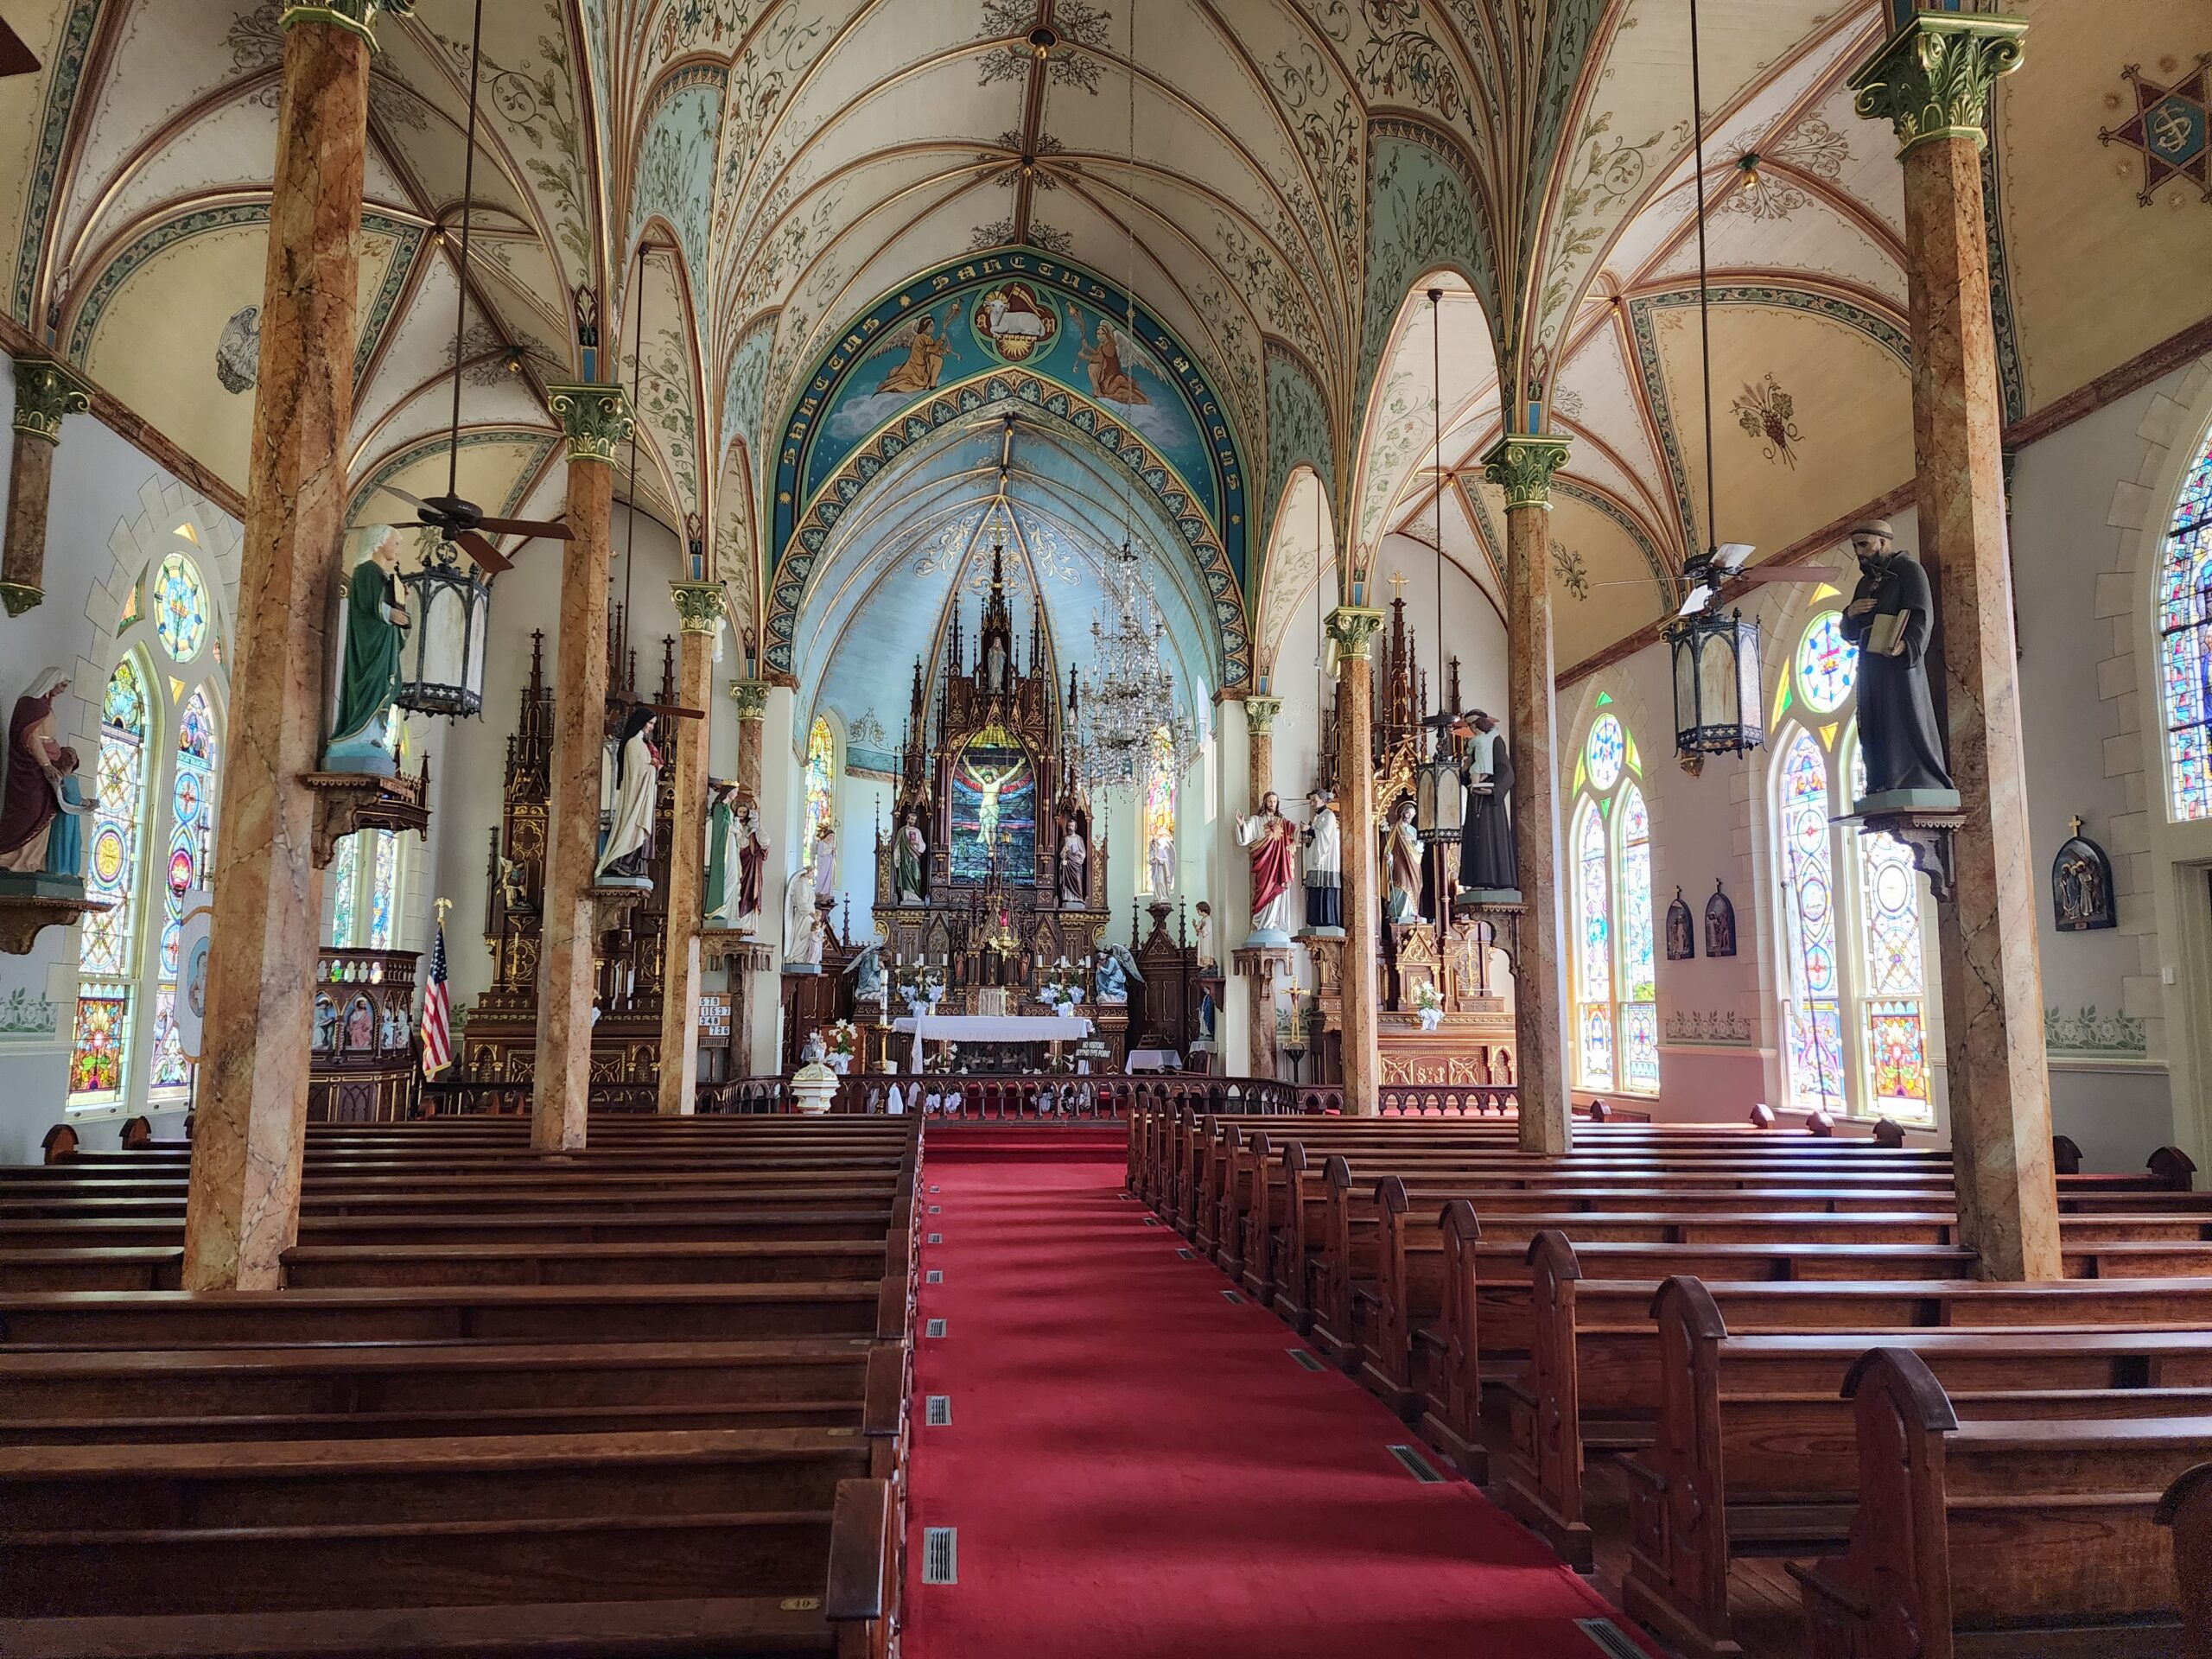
375	624
722	860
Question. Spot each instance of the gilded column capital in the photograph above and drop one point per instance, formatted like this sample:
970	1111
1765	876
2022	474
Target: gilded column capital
1353	627
699	605
595	417
750	697
1260	715
47	389
1932	78
354	17
1522	466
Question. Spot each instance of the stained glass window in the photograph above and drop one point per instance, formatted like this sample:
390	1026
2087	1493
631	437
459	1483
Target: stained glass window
107	954
1159	803
1827	663
1607	749
1593	882
180	607
383	893
191	845
2185	644
1816	1078
345	879
1892	973
1637	968
1640	1034
821	780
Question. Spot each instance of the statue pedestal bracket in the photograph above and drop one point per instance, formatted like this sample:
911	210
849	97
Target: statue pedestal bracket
26	914
348	801
1925	833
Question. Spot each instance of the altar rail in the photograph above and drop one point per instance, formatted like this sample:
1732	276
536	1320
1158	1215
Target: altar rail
1034	1097
1448	1100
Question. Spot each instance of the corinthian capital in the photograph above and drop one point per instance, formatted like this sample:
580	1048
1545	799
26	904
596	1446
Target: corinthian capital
1931	79
595	417
1522	466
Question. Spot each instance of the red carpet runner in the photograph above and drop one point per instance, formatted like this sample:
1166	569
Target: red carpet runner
1138	1470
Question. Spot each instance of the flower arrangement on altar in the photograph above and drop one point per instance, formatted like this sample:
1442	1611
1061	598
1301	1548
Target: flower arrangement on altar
1062	991
920	984
1428	1003
840	1042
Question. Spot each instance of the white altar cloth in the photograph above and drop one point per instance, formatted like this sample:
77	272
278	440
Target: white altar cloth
991	1028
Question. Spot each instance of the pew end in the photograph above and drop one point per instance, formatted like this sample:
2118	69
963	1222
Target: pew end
2186	1508
1762	1116
1542	1485
2170	1167
60	1145
2065	1155
1456	1431
861	1597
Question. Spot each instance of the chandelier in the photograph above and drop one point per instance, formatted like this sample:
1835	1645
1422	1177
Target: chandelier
1126	716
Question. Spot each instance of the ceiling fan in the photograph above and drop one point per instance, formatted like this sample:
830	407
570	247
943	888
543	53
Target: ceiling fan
1706	573
456	518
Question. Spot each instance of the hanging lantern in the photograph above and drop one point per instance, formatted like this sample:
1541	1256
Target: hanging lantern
1440	796
449	609
1716	684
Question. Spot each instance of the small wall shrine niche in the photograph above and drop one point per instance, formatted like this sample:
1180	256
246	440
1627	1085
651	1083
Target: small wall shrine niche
2081	887
1720	924
1681	932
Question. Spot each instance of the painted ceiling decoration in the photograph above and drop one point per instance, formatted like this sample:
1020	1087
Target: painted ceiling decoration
1274	182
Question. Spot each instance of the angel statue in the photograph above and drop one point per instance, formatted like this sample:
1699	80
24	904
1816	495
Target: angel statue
867	972
926	342
1117	971
802	925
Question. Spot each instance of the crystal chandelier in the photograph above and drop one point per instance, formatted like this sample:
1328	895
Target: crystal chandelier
1127	716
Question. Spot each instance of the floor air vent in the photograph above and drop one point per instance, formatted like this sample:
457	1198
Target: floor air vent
1187	1254
934	1276
937	1238
940	1555
937	1410
936	1209
1305	1359
1610	1638
1419	1468
1232	1296
934	1328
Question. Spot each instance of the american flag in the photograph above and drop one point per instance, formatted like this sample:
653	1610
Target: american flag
437	1034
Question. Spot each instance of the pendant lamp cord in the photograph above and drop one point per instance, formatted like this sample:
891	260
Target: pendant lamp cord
1704	279
461	283
1436	436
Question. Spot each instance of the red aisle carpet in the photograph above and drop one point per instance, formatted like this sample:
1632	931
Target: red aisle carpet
1138	1470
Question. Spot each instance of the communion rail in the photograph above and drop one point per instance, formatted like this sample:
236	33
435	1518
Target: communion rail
1034	1097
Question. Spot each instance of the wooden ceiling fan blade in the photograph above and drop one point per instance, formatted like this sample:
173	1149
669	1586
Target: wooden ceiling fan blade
414	501
16	58
483	552
1788	573
673	710
549	529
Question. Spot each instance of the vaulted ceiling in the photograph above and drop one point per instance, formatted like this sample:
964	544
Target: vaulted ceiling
1277	180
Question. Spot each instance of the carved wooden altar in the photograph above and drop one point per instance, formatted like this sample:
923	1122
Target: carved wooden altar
496	1038
362	1064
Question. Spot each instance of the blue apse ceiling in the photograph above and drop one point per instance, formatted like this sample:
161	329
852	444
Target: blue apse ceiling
882	595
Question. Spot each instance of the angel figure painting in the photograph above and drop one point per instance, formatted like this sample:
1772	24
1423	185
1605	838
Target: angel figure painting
922	347
1110	379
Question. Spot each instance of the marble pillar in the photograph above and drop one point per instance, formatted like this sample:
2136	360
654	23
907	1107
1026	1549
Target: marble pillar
1932	81
243	1208
1259	984
699	613
750	697
47	392
1353	627
596	419
1523	468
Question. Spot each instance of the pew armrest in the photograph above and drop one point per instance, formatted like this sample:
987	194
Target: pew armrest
860	1553
1820	1587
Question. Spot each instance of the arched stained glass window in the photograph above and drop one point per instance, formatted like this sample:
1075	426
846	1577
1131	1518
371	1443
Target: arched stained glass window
191	851
1639	969
1592	888
107	954
365	880
1159	804
1617	1013
1892	973
180	607
821	781
345	882
1808	874
384	893
2185	644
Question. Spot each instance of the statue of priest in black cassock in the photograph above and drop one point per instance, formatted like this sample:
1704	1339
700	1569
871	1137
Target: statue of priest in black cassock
1888	619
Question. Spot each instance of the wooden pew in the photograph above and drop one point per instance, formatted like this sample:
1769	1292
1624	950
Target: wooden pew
1999	1537
1754	1451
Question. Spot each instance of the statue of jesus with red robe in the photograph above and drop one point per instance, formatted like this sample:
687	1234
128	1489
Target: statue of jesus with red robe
1273	842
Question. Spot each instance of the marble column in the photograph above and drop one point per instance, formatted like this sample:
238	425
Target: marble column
699	613
1523	468
46	391
596	419
751	699
1353	627
1932	81
243	1208
1259	980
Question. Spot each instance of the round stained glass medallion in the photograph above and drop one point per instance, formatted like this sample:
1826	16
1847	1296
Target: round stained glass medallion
107	855
1607	748
180	607
1827	663
179	870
